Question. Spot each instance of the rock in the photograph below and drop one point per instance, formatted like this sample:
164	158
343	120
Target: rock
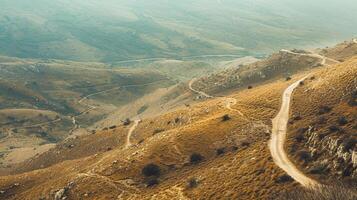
60	194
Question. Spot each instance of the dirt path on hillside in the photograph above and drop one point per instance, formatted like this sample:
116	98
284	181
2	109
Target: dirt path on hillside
196	91
131	130
276	144
354	41
323	58
39	124
229	101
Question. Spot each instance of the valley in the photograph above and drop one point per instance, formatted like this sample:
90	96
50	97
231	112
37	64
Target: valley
266	127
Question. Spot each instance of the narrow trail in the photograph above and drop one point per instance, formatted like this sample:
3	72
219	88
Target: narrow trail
92	107
276	144
196	91
229	101
39	124
323	58
354	41
131	130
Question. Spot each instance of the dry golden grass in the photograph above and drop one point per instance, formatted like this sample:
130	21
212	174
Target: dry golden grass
244	171
331	87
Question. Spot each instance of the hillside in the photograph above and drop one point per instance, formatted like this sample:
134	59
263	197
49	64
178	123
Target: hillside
181	147
45	101
323	136
278	65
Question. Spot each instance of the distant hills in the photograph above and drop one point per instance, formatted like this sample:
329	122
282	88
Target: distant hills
113	31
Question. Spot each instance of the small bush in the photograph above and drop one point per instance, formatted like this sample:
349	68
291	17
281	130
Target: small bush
177	120
126	122
333	129
299	137
151	170
245	144
349	143
342	121
192	183
353	99
113	127
304	156
226	118
234	148
301	83
297	118
302	130
152	182
319	169
250	87
324	110
288	78
196	158
220	151
321	120
284	179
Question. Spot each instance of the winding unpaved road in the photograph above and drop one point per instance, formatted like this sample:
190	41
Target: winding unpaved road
196	91
354	41
131	130
323	58
276	144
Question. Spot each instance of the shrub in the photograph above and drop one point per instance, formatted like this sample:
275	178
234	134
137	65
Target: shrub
126	122
333	128
192	183
321	120
177	120
284	179
342	121
288	78
297	118
245	144
299	137
113	127
196	158
220	151
234	148
302	130
353	99
304	155
250	87
226	118
324	110
151	170
319	169
152	182
301	83
349	143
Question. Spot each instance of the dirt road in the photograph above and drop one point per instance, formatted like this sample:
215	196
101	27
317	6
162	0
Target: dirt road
131	130
323	58
278	137
196	91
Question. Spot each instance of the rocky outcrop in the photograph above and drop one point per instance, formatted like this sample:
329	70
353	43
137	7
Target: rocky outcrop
335	153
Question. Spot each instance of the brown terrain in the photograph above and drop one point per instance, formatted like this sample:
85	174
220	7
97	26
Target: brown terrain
207	145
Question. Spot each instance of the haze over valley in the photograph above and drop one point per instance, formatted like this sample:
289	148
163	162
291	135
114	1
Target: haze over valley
203	99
